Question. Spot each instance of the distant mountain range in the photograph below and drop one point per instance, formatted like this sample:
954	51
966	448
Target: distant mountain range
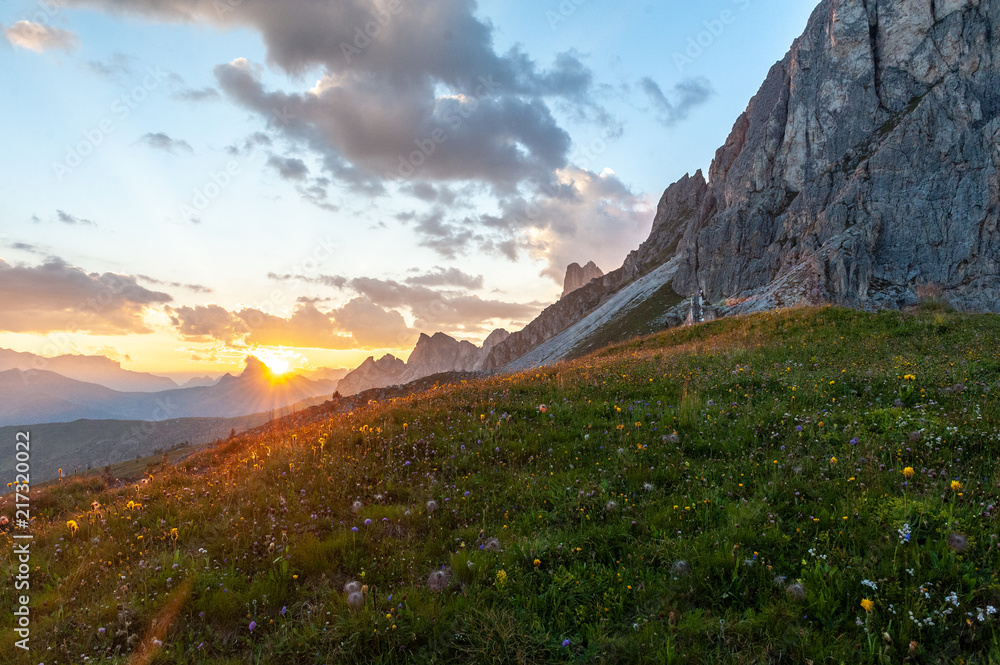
41	396
92	369
432	355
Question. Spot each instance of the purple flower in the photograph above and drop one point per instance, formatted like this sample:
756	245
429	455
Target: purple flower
354	529
798	428
368	522
253	624
565	643
101	630
855	441
284	608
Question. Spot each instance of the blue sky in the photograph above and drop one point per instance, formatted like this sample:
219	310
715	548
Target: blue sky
601	99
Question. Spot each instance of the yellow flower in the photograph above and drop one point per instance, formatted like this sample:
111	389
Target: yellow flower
908	472
909	377
501	578
538	562
955	486
833	460
72	526
173	533
867	605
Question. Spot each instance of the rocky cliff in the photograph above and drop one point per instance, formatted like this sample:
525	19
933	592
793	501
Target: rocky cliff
386	371
577	276
432	355
863	173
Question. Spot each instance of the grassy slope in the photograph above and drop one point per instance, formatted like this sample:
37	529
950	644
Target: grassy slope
632	545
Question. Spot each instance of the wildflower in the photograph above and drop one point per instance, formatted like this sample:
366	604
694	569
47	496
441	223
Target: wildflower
253	624
284	608
648	487
904	533
431	506
355	600
352	587
173	534
501	578
610	505
537	562
72	526
492	545
368	522
100	630
833	460
956	486
543	408
565	643
910	377
958	542
871	585
680	568
796	591
867	605
354	529
908	472
356	506
438	581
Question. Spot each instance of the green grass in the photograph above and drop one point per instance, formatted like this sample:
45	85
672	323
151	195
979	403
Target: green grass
724	493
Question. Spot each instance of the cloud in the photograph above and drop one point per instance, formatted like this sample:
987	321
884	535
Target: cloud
56	296
196	288
161	141
40	38
206	94
422	68
450	277
687	94
289	168
65	218
115	68
358	324
438	310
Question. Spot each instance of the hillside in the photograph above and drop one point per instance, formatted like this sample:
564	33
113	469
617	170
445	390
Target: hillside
781	487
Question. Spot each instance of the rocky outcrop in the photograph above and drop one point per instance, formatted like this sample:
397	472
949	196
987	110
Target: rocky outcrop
386	371
435	354
577	276
864	172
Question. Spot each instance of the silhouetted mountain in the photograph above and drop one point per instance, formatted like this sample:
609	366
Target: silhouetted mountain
43	397
91	369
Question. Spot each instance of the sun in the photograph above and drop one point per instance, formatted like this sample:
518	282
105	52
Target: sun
276	361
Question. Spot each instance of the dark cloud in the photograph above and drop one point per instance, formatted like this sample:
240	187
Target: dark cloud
450	277
359	324
25	247
437	310
687	95
116	67
40	38
65	218
206	94
289	168
195	288
161	141
332	281
56	296
251	144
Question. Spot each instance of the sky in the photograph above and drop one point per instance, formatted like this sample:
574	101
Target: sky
191	181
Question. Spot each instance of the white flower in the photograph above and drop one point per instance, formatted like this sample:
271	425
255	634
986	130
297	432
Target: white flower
870	584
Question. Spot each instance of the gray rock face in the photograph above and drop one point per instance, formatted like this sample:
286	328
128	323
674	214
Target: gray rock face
865	169
432	355
577	276
864	173
386	371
